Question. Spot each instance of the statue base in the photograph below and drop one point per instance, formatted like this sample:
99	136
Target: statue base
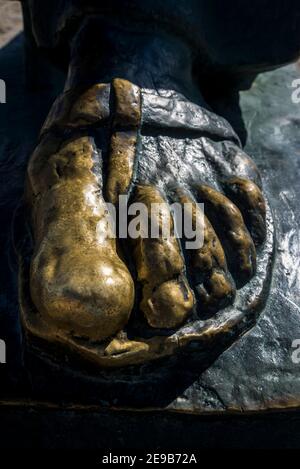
37	425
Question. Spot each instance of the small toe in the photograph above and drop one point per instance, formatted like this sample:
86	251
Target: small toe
213	283
167	297
229	225
248	197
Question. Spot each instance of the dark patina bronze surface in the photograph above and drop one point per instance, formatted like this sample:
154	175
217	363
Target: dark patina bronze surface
114	130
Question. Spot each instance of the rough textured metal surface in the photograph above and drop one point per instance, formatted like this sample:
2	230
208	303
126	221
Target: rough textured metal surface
179	145
55	313
240	35
256	372
36	426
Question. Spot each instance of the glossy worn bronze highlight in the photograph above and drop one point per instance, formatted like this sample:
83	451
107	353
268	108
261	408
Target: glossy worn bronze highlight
167	297
76	275
214	285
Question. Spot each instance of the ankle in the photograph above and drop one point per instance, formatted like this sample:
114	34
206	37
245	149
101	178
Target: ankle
155	60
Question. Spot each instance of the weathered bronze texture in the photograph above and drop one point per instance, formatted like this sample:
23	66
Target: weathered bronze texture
133	120
81	294
180	144
126	124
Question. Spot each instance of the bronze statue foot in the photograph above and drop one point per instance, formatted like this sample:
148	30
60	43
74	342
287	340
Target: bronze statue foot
81	292
115	138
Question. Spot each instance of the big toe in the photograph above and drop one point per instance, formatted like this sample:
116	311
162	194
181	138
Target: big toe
81	294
